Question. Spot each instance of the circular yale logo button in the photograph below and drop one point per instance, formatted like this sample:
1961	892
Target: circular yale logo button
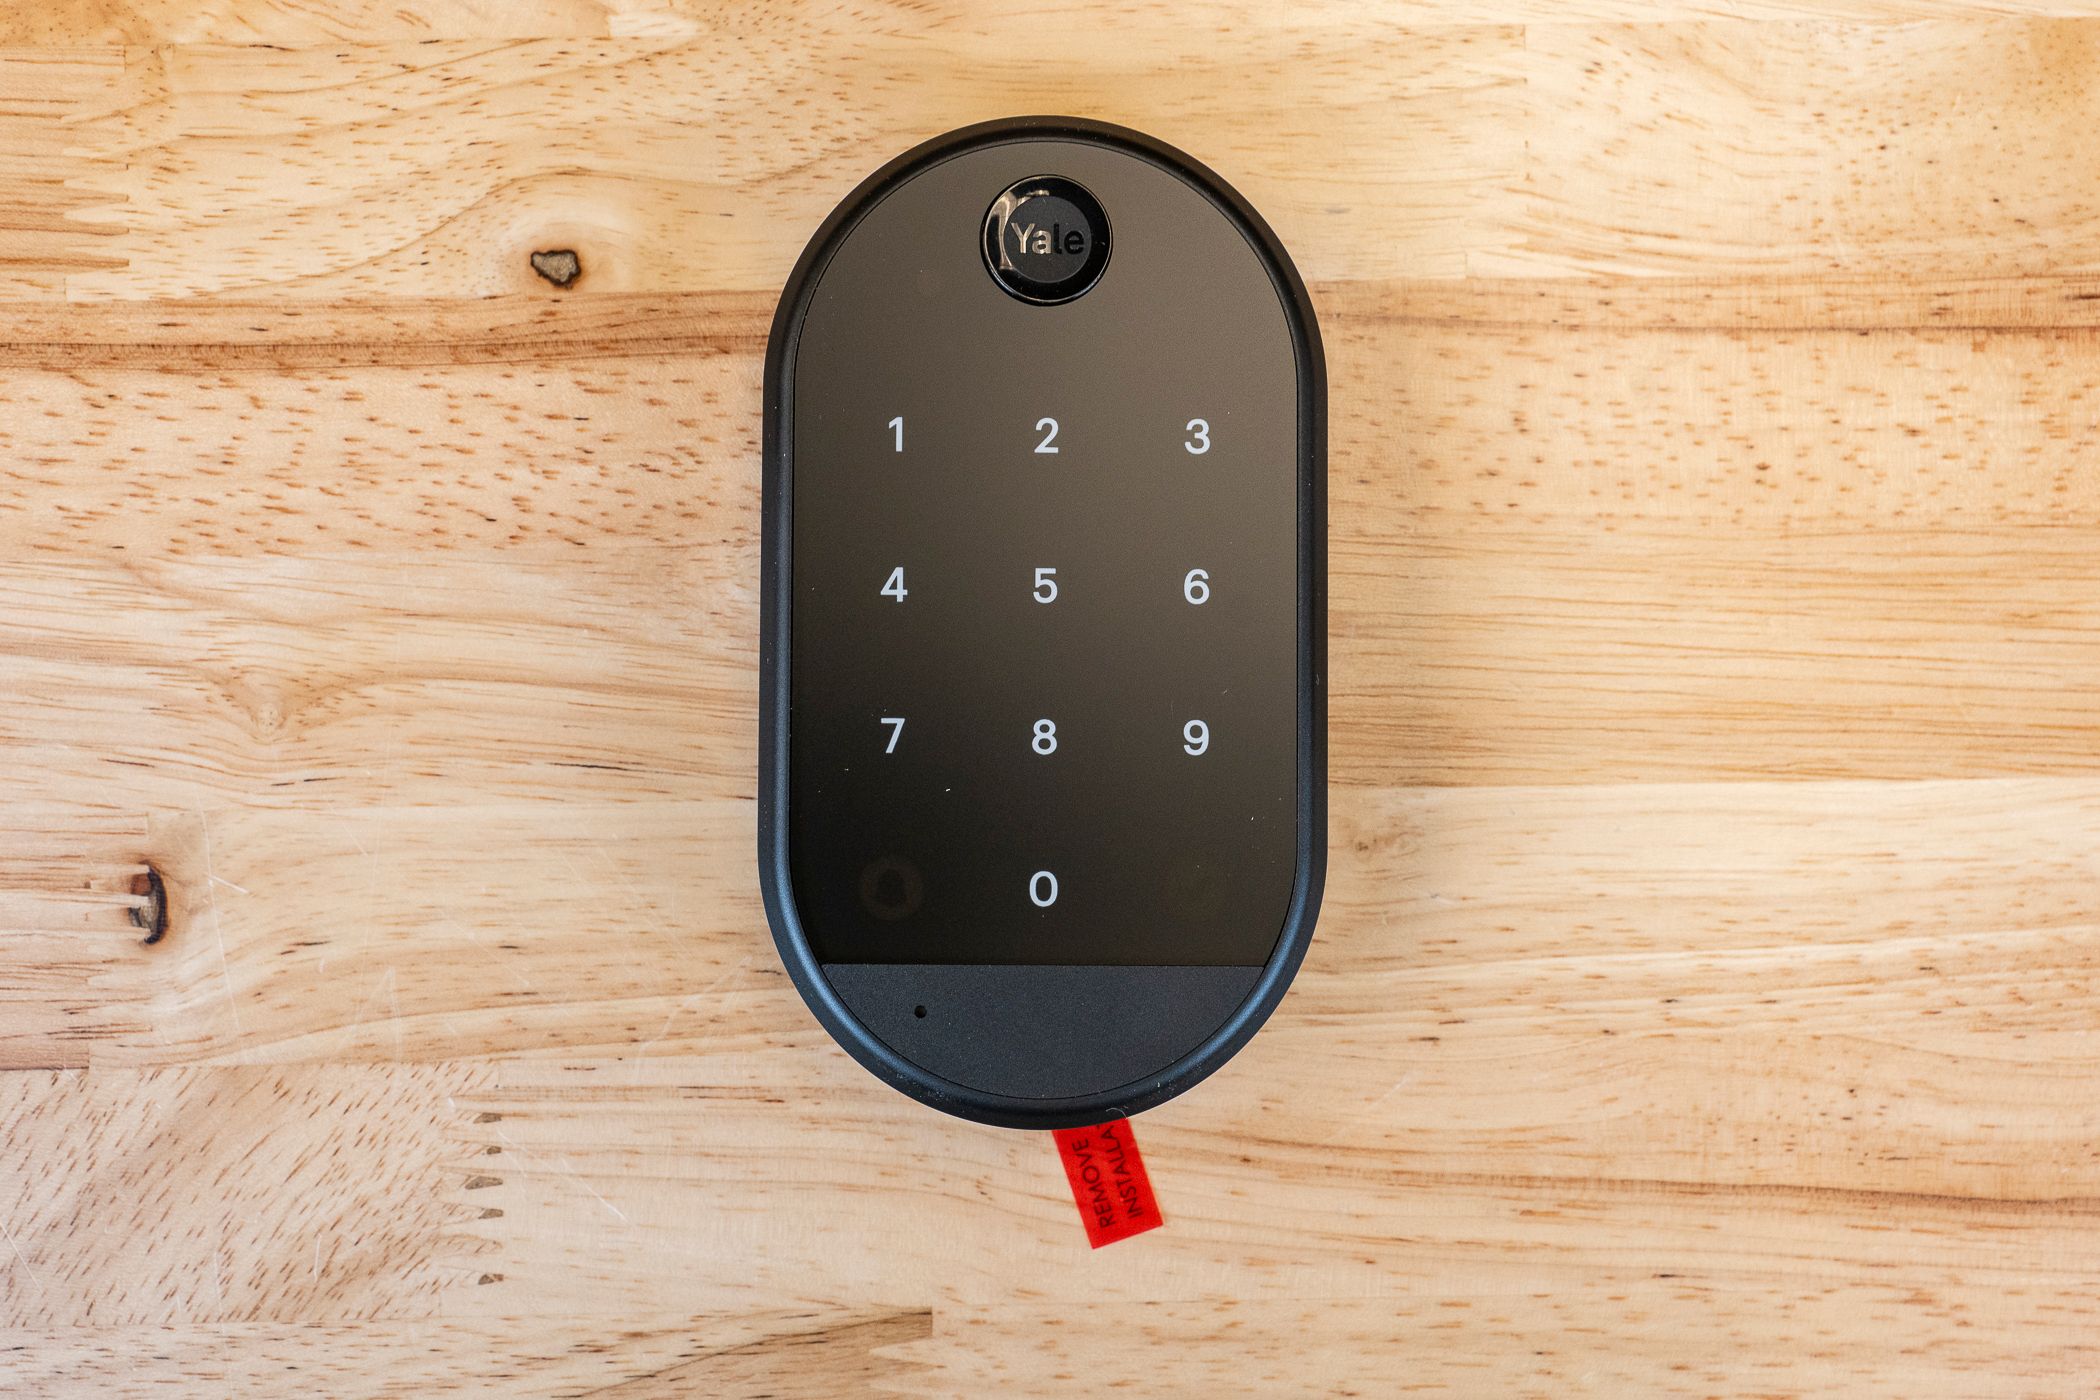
1046	239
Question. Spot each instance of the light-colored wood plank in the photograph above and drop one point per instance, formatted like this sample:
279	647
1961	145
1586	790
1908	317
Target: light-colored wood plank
1808	149
594	925
1656	653
236	1194
807	1351
669	164
1519	1333
1003	31
1678	552
1479	1331
1885	954
636	1190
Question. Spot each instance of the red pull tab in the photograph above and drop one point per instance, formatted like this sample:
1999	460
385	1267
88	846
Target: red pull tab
1108	1181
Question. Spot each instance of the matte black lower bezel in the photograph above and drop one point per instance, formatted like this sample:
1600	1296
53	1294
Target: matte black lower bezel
775	655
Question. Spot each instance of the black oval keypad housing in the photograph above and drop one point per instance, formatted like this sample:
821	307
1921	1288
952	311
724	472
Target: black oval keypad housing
1042	774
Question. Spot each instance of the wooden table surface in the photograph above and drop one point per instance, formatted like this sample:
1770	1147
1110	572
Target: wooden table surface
1707	996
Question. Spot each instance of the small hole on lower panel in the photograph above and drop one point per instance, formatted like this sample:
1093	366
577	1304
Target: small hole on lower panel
919	1011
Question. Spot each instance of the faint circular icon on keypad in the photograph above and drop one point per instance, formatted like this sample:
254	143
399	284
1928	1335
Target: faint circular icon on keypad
891	888
1046	239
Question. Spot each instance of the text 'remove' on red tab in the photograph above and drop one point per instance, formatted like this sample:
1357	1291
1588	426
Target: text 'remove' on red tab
1108	1181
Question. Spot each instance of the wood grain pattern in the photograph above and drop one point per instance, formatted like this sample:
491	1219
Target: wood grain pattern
986	25
44	236
1705	997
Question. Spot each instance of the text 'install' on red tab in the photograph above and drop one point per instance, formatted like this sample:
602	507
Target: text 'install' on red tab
1108	1181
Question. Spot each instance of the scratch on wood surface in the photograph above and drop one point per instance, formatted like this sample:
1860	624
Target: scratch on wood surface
20	1257
211	898
1369	1111
562	1168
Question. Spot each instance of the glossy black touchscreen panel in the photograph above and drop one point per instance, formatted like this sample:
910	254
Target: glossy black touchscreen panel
1045	693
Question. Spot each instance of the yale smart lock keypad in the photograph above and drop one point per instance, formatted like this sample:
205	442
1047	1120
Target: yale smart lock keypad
1043	740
